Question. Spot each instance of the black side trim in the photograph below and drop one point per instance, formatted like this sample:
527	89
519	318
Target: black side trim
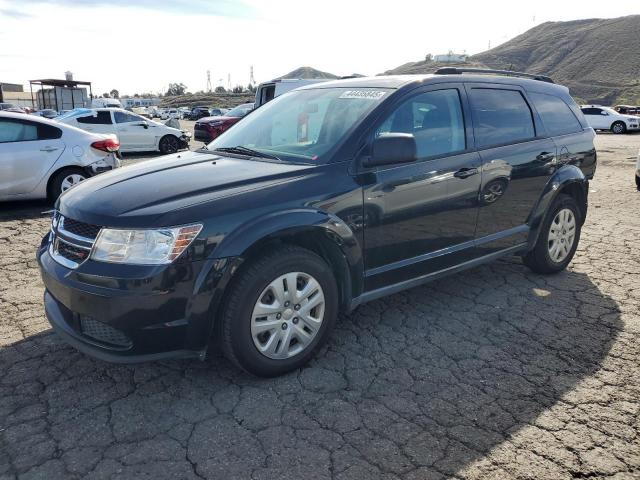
414	282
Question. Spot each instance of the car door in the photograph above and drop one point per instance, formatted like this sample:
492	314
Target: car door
597	118
420	217
134	131
28	150
517	161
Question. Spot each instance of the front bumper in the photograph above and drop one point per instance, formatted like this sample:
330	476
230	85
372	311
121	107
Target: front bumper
130	314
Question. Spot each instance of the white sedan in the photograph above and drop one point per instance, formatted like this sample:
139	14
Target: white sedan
135	133
41	158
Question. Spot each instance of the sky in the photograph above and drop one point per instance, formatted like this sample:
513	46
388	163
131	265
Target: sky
138	46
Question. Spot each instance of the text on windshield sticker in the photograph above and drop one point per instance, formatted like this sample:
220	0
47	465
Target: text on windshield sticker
368	94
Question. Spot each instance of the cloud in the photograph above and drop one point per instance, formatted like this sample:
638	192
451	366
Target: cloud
12	13
221	8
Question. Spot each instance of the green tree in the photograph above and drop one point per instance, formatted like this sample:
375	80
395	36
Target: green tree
105	95
238	89
115	93
176	89
220	89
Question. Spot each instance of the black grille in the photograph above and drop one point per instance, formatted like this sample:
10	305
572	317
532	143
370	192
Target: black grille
80	228
103	332
75	254
199	126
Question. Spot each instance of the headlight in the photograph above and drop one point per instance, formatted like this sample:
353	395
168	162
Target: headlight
143	247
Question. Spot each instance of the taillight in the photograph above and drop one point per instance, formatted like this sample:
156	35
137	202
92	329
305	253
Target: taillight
108	145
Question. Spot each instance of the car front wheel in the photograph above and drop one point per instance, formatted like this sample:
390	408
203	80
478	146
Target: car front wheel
64	180
558	239
618	127
169	144
279	312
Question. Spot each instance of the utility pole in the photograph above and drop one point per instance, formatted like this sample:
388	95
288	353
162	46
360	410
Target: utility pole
252	80
209	89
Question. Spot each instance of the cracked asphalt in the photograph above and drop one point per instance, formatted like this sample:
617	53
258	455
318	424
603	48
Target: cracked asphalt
491	373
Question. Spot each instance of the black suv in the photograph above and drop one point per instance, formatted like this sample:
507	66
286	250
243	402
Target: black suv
199	112
327	197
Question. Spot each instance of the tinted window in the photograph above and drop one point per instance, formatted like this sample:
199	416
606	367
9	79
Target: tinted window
101	118
435	120
556	115
501	116
124	117
14	131
591	111
24	131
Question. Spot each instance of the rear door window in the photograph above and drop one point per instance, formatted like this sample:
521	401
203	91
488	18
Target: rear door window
16	131
500	117
556	115
101	118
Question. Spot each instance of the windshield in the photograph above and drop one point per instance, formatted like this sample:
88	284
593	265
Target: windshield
74	113
303	125
240	110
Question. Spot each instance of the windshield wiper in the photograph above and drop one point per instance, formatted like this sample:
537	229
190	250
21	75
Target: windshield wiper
246	151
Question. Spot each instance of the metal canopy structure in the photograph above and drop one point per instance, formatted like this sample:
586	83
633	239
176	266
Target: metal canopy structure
52	82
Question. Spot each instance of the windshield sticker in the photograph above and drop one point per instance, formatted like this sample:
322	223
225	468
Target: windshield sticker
367	94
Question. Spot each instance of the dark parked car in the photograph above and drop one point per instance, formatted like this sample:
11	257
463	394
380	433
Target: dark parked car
206	129
327	197
199	112
627	109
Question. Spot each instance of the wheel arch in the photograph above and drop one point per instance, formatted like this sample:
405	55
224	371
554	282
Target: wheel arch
568	180
53	174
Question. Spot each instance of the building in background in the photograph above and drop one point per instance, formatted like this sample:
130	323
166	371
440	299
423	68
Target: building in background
64	94
451	57
131	102
14	93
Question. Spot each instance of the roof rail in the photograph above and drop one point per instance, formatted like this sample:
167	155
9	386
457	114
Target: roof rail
458	71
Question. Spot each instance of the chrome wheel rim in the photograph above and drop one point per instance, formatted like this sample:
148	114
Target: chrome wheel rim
71	181
287	315
562	234
617	128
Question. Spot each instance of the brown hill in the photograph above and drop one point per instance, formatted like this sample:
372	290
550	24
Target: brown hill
598	59
308	72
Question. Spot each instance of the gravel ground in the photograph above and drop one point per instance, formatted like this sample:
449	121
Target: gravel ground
493	373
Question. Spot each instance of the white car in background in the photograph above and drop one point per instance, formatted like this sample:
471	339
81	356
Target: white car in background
135	133
41	158
169	113
606	118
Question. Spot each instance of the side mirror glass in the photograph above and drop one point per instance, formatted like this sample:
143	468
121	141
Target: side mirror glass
392	148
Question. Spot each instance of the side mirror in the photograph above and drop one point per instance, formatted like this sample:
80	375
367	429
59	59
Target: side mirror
392	148
604	113
144	125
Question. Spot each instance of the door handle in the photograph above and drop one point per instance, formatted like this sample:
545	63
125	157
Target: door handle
465	172
48	149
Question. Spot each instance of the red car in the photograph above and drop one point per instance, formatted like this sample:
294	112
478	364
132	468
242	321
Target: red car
208	128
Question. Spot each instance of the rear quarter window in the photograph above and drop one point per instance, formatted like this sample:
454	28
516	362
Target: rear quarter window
500	117
557	117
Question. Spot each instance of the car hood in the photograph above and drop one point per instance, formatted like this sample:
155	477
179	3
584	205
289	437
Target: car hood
214	118
141	194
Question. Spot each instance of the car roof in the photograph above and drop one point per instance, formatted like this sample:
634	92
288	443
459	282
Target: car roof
401	81
26	116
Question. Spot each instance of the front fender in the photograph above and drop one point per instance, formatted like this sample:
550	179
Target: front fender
565	176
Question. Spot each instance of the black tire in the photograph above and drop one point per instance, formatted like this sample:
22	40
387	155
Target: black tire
539	259
637	182
618	127
56	184
169	144
235	328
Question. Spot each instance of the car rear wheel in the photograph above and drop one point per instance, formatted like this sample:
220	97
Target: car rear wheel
279	312
558	239
168	144
64	180
618	127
